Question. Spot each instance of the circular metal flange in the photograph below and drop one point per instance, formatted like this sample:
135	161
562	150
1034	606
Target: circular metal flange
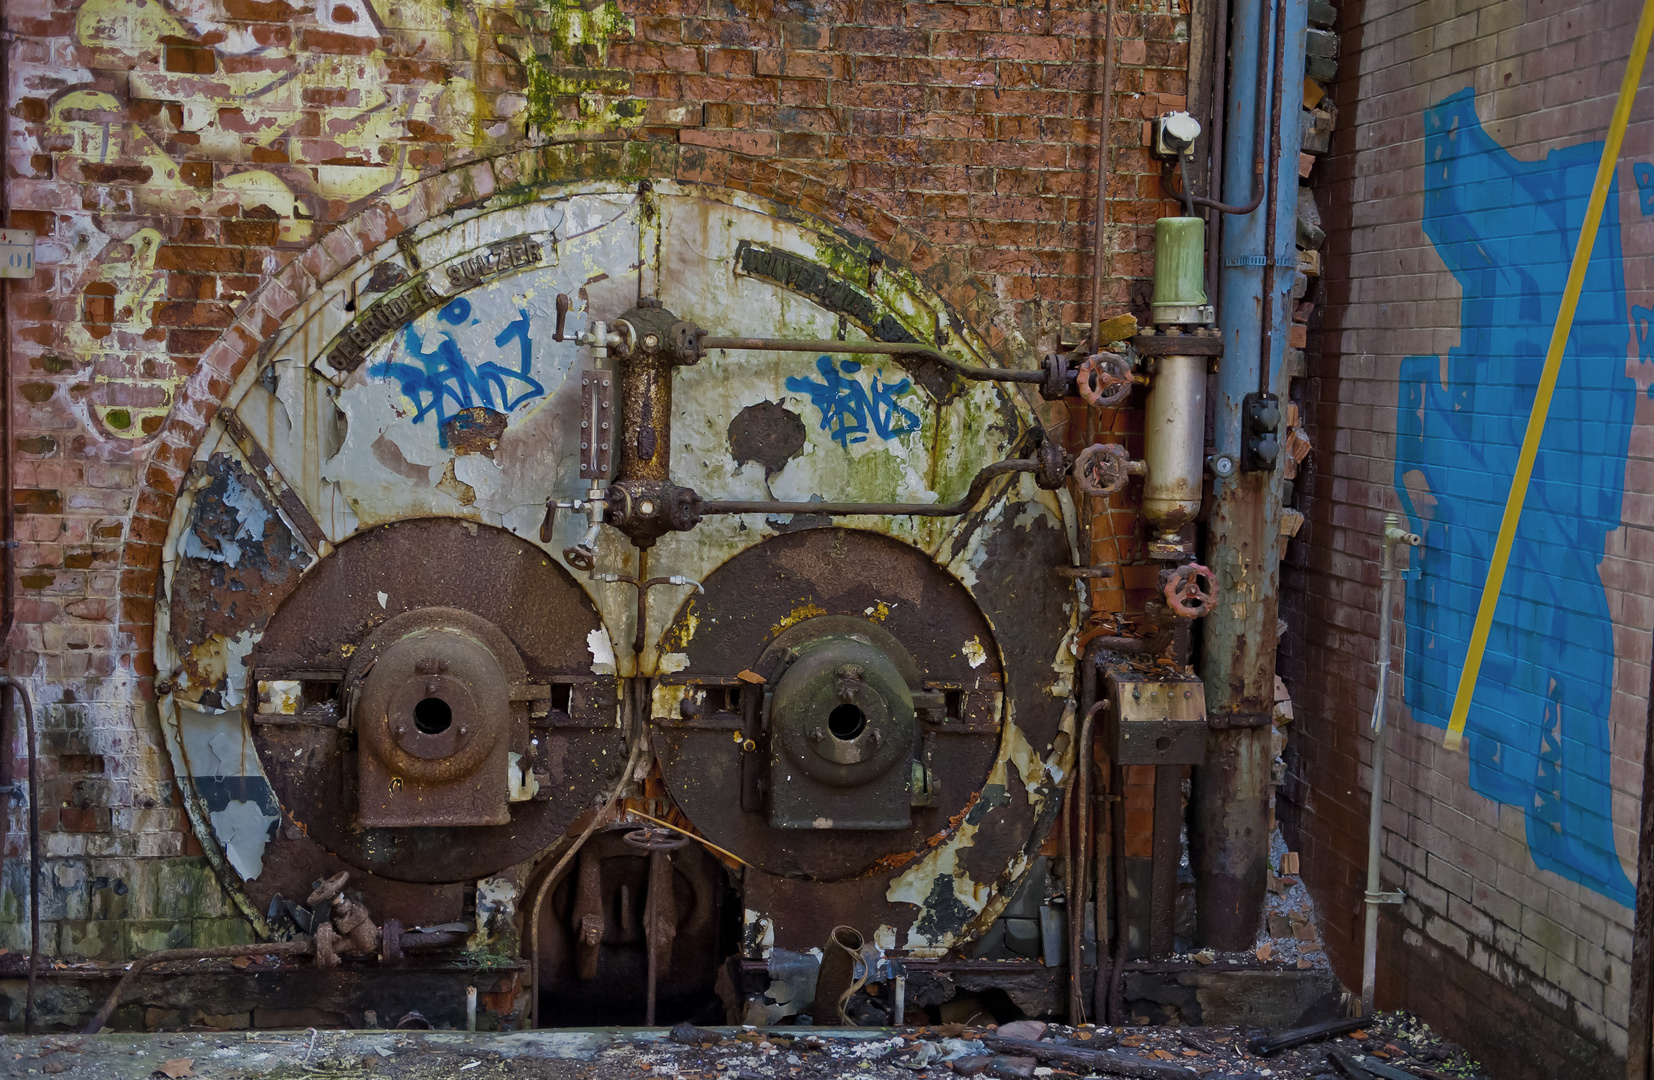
502	593
759	613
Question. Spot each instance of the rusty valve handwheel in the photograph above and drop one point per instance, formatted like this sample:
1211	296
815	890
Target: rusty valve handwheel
1104	379
1102	469
1189	591
654	838
580	557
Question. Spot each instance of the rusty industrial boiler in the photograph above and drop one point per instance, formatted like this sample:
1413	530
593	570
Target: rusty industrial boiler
634	585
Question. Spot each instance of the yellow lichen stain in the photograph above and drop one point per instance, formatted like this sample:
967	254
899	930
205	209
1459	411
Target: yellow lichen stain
879	612
287	135
796	616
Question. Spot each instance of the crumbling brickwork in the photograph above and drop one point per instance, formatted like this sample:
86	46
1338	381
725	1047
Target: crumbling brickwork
194	167
1466	143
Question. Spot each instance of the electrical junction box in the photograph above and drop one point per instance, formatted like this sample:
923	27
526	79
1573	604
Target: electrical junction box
1156	720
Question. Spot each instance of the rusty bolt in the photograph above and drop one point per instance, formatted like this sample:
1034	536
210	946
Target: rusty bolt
816	734
463	729
401	729
876	736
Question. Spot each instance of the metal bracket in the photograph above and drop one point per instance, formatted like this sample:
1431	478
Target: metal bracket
1223	721
1396	897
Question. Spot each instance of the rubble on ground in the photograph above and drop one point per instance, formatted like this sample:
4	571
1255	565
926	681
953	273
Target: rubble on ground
1390	1045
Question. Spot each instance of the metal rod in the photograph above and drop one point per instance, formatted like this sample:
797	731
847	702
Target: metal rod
1078	876
1266	363
1099	270
1393	535
850	509
874	348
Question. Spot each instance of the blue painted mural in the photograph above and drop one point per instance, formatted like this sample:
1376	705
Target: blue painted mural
849	410
1537	736
441	381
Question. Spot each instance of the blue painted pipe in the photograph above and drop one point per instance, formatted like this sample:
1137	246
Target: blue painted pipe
1229	837
1240	314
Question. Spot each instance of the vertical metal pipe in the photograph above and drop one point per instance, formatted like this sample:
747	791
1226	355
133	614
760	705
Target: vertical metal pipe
1099	270
1168	849
1393	535
1122	935
1640	1028
1229	838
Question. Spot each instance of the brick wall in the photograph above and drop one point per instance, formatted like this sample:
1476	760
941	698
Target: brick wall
185	162
1467	138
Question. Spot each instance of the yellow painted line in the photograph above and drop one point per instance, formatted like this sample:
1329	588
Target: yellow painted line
1547	379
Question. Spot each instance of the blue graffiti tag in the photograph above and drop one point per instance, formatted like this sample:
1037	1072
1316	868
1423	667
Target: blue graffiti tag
850	410
443	381
1538	730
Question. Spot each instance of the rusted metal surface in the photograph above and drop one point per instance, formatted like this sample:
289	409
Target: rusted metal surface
237	561
1159	720
1168	850
596	968
432	706
838	582
406	571
1229	816
433	501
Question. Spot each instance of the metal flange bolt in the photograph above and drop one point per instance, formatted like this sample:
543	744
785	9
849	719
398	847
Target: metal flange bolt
1190	590
1104	380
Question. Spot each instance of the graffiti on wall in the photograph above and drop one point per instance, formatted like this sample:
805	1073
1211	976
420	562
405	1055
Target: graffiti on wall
435	374
277	123
1537	735
851	411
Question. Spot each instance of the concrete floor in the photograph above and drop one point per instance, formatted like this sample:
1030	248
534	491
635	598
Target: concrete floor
742	1054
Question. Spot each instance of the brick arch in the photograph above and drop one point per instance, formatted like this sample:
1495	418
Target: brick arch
198	399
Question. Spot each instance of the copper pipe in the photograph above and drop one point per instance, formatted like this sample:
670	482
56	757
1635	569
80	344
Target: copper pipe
1099	269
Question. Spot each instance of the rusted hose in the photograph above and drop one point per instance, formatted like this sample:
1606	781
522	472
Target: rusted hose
629	705
34	842
297	947
848	509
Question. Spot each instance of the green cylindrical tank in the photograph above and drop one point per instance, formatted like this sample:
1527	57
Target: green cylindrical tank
1180	271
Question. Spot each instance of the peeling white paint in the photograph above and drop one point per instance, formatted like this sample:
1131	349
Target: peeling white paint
974	652
244	830
602	650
